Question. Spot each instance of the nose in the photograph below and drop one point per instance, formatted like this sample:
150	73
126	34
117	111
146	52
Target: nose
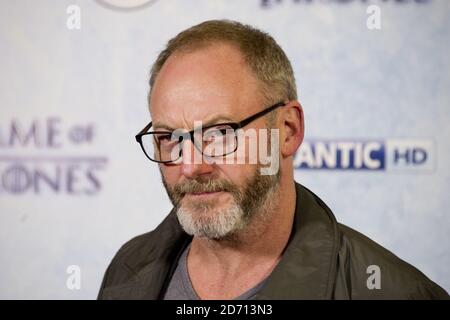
193	164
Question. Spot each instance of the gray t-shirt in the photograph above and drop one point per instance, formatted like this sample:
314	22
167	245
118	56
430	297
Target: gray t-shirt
180	286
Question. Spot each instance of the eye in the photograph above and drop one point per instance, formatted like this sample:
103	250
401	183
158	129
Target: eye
167	140
163	138
220	132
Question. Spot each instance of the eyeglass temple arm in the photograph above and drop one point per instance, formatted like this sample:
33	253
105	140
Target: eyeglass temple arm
245	122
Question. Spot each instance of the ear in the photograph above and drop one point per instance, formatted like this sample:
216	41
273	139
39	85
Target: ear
292	128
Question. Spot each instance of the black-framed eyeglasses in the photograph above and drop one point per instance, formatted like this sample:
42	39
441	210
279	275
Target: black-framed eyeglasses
216	140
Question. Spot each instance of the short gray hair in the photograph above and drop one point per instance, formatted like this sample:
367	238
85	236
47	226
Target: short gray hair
263	55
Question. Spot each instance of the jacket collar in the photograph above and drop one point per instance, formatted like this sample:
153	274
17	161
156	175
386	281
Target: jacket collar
306	270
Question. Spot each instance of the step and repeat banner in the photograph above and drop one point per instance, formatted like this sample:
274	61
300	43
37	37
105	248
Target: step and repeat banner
373	78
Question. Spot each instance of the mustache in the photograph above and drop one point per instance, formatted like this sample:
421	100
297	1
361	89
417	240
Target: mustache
203	185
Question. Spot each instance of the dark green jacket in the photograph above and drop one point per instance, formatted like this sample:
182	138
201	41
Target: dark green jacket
323	260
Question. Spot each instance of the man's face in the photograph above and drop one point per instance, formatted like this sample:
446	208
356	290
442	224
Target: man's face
212	85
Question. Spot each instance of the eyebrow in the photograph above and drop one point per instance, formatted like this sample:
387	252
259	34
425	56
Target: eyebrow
214	120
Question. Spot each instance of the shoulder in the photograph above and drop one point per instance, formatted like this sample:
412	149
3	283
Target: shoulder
366	270
135	250
138	252
132	252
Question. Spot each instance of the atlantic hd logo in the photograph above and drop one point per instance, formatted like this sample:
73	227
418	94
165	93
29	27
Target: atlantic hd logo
406	155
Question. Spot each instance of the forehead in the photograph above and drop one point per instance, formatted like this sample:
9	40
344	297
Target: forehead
203	84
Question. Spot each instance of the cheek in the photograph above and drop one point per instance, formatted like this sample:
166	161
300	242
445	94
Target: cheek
238	173
171	174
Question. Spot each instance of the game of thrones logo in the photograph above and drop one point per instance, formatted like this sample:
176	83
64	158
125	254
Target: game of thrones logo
43	157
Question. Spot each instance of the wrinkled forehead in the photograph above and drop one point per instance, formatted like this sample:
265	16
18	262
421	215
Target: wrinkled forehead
212	84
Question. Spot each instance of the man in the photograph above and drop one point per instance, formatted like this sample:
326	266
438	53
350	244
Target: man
237	231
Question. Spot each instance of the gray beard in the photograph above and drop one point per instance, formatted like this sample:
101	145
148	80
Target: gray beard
252	202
